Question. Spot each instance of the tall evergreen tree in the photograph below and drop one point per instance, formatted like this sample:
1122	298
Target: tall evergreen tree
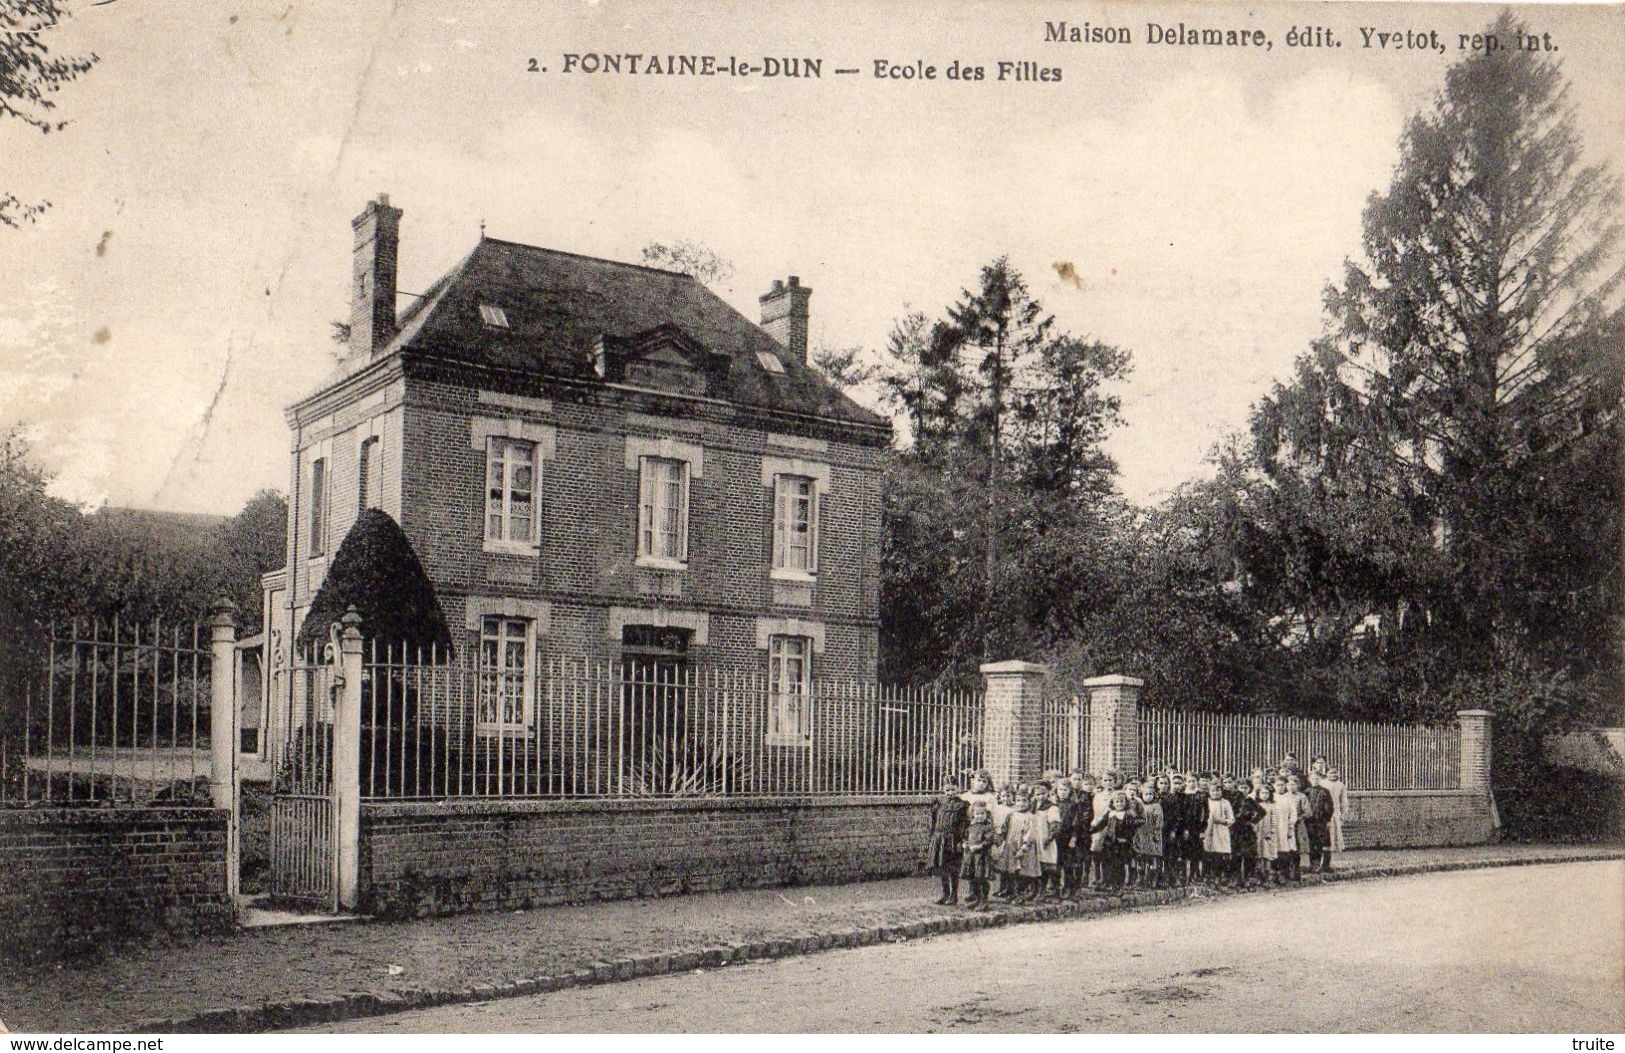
995	526
1469	380
1000	328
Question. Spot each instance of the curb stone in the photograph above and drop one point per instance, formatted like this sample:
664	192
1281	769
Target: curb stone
355	1005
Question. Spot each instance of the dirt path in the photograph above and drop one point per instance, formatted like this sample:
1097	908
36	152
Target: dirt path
1520	949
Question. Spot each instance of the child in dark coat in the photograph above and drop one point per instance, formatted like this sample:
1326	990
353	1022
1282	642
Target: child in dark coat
948	817
1176	813
1078	864
1066	835
1195	825
1317	821
1116	828
1244	835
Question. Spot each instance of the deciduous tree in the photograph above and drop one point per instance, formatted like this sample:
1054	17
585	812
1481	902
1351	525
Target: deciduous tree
30	74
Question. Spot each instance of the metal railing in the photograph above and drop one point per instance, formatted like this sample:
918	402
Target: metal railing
1064	733
118	715
435	727
1369	756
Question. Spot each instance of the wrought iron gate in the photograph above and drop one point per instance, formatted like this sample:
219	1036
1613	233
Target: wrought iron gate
304	815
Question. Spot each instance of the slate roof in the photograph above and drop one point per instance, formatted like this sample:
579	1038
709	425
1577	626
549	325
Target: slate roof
559	306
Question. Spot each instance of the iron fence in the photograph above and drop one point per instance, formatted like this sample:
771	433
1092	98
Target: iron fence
1369	756
435	727
117	715
1064	733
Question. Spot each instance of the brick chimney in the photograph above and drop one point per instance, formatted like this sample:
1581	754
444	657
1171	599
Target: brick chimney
372	293
784	315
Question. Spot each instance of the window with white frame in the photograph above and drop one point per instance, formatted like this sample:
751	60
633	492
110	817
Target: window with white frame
510	491
504	697
789	674
370	485
795	524
318	506
663	510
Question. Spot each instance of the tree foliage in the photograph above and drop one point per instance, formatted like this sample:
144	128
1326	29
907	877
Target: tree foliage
844	367
1454	437
58	562
1423	517
996	512
691	258
30	74
376	571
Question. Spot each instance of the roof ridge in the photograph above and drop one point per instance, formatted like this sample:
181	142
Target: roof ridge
584	256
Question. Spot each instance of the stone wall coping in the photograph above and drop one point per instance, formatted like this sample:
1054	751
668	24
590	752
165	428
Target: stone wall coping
1418	793
1010	667
498	806
1486	714
52	816
1114	680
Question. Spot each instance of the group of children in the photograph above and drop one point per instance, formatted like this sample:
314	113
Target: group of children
1058	835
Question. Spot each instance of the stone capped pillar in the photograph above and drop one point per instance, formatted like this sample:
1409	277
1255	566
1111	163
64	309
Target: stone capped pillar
223	724
1475	748
1013	719
347	763
1114	723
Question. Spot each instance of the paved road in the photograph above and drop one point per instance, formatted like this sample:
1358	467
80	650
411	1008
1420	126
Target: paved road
1513	949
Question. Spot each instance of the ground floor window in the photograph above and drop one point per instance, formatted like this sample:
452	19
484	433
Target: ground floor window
504	700
789	673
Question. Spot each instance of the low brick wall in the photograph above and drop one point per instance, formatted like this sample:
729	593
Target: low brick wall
439	858
73	880
423	858
1418	818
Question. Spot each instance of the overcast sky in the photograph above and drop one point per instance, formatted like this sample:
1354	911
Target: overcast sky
178	294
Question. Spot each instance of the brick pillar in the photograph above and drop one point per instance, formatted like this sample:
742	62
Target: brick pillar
1114	723
347	762
223	723
1013	719
1475	748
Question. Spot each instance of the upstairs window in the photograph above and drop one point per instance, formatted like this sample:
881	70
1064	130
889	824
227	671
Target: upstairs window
510	491
318	506
795	524
495	317
663	510
370	484
789	674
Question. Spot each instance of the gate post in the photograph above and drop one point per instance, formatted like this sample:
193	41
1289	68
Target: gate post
1012	728
1114	723
223	734
1474	727
347	763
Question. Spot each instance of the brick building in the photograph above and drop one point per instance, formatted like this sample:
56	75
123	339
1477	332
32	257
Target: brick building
594	458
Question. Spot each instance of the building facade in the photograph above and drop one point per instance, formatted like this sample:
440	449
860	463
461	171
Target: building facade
594	459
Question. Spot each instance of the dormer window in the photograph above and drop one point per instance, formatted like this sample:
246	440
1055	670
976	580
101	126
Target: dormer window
495	317
770	361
